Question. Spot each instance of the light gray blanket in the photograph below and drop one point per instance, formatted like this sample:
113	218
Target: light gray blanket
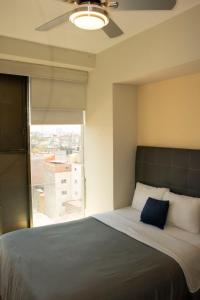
85	260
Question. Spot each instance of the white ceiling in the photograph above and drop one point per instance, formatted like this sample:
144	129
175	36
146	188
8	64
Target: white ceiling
19	18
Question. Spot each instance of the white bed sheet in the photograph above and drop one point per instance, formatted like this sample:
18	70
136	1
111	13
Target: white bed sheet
182	246
134	215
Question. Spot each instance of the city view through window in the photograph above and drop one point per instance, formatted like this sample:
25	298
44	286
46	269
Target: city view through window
56	173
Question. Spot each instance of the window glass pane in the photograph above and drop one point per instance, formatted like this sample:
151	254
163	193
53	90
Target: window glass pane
56	173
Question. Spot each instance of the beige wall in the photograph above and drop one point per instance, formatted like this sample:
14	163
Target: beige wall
99	146
124	143
169	113
34	53
172	45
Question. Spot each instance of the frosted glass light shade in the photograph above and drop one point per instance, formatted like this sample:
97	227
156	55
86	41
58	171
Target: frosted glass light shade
89	19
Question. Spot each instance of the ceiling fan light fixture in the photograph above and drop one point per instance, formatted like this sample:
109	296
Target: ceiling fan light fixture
89	17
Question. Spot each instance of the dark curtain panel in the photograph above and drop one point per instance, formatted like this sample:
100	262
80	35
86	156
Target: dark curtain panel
14	161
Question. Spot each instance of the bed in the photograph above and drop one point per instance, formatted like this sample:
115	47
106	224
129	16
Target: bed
110	256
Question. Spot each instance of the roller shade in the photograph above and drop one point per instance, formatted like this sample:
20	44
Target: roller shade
57	101
56	117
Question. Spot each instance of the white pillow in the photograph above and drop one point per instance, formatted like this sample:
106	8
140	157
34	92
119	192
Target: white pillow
143	192
184	212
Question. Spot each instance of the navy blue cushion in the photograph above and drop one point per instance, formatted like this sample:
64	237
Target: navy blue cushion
155	212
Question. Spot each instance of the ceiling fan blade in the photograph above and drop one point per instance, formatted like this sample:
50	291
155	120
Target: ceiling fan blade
66	1
146	4
112	29
55	22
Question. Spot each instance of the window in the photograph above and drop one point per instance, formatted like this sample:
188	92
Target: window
64	193
56	153
64	181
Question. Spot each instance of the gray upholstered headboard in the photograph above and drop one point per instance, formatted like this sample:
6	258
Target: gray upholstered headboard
177	169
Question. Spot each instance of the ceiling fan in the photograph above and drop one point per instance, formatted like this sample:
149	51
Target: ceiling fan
95	14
